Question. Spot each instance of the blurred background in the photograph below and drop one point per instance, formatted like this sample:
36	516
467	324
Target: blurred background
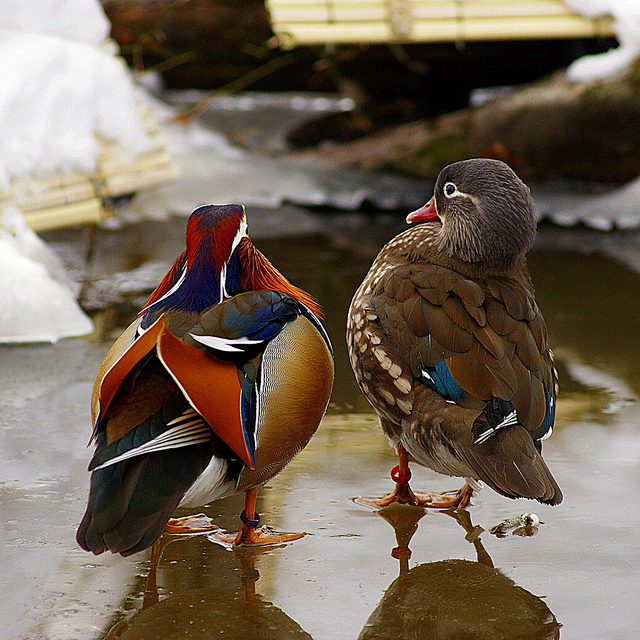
329	120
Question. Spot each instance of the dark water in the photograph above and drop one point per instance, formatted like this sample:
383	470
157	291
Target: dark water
400	574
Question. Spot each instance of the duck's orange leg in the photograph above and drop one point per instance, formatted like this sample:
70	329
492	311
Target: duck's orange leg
250	534
403	494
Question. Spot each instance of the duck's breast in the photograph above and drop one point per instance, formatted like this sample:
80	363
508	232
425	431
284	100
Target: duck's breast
293	389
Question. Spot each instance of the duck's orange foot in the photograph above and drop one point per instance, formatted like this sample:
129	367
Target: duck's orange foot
198	523
449	500
252	535
403	494
249	536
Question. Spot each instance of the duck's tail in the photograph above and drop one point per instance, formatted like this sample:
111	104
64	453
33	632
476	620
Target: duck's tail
510	463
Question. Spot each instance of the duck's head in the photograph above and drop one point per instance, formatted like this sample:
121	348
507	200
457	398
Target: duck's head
219	261
214	232
209	269
486	211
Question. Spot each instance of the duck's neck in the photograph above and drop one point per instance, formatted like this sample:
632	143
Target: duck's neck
424	243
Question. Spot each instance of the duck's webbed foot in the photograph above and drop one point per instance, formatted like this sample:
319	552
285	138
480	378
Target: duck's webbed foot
199	523
403	494
449	500
250	533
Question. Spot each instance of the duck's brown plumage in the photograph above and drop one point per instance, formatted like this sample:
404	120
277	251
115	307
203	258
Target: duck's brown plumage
420	306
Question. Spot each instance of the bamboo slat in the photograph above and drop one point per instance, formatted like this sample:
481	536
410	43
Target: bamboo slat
84	212
380	21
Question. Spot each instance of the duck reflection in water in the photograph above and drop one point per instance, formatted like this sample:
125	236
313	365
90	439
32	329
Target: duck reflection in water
210	612
454	599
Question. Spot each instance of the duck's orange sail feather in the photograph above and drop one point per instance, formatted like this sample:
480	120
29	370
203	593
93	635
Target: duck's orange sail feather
258	273
212	388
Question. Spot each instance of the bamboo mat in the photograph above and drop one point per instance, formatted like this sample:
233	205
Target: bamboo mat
78	198
309	22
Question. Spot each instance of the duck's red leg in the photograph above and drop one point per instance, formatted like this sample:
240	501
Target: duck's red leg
250	534
403	494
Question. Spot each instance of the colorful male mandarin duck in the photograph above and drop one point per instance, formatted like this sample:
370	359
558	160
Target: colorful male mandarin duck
218	384
449	346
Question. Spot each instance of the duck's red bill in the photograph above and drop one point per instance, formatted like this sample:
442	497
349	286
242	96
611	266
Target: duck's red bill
425	213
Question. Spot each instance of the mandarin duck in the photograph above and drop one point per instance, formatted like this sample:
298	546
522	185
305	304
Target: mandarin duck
448	344
217	385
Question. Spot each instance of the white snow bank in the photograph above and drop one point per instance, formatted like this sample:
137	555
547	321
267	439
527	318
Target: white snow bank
61	86
82	20
626	14
55	96
36	300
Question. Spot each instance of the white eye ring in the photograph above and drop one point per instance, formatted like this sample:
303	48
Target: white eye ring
450	190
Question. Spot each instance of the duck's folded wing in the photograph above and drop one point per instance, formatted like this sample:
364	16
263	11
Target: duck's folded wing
239	328
213	358
479	345
125	355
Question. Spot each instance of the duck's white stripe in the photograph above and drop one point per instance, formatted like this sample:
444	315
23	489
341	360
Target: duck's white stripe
174	438
228	345
176	286
509	420
241	233
188	414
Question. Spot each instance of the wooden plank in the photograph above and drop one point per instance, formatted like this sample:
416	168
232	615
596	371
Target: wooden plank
345	33
505	29
42	199
128	183
322	14
366	10
492	9
85	212
448	31
353	21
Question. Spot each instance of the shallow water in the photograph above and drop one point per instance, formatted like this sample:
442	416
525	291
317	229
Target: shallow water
582	565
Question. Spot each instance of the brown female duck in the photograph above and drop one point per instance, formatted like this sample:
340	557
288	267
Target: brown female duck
449	346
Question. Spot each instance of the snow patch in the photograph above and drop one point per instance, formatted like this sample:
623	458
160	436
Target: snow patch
626	14
81	20
36	299
60	88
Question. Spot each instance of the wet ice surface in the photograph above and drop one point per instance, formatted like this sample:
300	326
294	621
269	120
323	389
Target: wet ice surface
335	583
329	584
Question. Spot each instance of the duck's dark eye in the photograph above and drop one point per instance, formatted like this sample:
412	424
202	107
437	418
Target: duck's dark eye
449	189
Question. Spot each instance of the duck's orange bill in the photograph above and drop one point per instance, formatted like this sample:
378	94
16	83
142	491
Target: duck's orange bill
425	213
212	387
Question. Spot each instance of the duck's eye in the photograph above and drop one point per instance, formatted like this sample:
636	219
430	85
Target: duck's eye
450	189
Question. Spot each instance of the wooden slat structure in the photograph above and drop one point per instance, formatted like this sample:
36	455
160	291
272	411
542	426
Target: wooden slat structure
313	22
78	198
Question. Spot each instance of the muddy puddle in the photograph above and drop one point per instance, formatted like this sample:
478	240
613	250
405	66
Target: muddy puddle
358	574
